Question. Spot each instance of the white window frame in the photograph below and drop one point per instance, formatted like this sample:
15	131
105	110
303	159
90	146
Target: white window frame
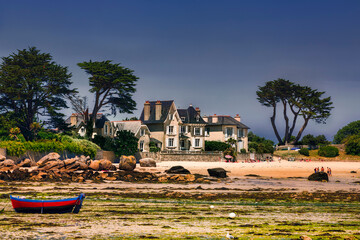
195	133
142	132
226	132
183	129
171	142
183	119
240	132
207	133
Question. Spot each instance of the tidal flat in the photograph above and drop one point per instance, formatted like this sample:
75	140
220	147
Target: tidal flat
119	210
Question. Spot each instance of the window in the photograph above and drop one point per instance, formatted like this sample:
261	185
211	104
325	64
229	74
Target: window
170	142
106	130
183	119
142	132
183	129
82	129
197	118
170	130
229	132
141	146
197	142
207	131
240	132
197	131
171	117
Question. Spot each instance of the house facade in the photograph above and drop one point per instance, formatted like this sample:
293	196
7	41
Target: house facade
222	128
140	130
76	120
174	129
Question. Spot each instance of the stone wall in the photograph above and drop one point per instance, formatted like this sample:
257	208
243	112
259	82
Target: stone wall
195	156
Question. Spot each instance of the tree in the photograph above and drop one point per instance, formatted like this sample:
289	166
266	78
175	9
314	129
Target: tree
352	128
302	101
125	143
33	86
260	144
352	145
113	86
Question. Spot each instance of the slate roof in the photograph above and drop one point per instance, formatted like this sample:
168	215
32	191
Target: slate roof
190	116
165	107
226	120
132	125
99	123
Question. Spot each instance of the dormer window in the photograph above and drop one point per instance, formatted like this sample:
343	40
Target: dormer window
183	119
197	118
171	117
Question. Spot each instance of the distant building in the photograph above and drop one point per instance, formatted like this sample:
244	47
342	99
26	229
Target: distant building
77	120
174	129
222	128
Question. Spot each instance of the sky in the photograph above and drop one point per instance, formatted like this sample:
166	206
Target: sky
211	54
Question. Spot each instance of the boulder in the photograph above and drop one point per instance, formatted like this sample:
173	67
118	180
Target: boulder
50	157
2	158
95	165
177	170
105	164
7	163
69	161
127	163
54	164
217	172
26	163
147	162
319	176
304	237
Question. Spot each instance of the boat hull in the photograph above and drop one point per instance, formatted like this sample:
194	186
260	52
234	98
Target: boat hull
47	206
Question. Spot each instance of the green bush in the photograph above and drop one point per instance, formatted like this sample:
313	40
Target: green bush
153	147
242	150
328	151
304	151
77	146
352	145
216	146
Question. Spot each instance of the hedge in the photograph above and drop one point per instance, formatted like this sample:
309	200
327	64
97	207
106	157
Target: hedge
77	146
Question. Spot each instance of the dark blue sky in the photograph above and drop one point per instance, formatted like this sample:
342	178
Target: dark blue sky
212	54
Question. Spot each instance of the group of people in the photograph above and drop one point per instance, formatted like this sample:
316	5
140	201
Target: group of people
328	170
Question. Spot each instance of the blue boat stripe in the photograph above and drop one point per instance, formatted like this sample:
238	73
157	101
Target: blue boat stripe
30	200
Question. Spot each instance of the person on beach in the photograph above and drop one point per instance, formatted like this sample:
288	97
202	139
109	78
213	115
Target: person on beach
322	169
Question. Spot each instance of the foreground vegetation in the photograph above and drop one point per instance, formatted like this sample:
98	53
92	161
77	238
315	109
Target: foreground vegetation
176	215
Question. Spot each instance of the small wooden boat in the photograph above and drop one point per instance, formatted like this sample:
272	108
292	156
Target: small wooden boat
22	205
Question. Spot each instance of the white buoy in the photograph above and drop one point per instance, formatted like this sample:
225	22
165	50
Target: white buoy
232	215
211	206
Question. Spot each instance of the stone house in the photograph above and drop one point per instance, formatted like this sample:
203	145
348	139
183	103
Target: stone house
140	130
77	121
174	129
222	128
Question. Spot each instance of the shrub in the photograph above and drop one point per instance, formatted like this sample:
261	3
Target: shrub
77	146
304	151
328	151
351	129
352	145
242	150
216	146
153	147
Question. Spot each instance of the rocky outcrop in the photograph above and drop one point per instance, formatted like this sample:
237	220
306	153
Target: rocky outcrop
177	170
147	162
319	176
217	172
127	163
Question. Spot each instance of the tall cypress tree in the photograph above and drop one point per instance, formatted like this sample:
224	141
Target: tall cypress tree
32	87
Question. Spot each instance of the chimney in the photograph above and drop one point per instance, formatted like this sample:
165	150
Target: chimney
237	118
206	118
73	119
214	119
146	111
198	111
157	110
